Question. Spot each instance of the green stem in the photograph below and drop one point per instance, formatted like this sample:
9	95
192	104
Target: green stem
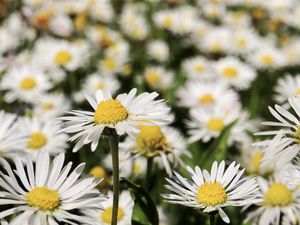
114	147
212	220
148	173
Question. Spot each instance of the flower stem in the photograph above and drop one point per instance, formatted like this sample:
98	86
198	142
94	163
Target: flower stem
212	219
114	147
148	173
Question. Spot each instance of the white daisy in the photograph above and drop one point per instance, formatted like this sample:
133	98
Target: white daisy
158	77
158	50
198	68
104	216
48	194
234	72
206	95
165	143
12	141
213	191
205	125
123	114
24	83
43	134
278	200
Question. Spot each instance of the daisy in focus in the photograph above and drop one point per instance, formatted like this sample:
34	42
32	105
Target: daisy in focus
49	193
104	216
123	114
215	190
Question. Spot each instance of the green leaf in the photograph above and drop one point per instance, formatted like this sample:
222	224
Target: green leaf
145	211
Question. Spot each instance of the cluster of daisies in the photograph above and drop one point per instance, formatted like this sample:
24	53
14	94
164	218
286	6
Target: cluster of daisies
178	87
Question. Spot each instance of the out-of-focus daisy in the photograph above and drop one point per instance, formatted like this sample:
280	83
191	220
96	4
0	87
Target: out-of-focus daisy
158	78
43	135
112	64
123	114
213	191
50	105
206	95
165	19
25	83
234	72
237	19
217	40
47	194
287	86
278	200
155	141
198	68
158	50
104	216
100	173
96	82
101	10
61	25
205	125
12	141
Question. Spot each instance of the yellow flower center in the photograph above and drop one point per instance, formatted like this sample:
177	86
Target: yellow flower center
211	194
136	168
167	22
215	124
206	99
241	43
255	161
100	85
110	64
37	140
2	154
199	68
151	139
28	83
215	47
152	78
98	172
63	57
297	92
106	215
47	106
267	59
230	72
110	112
43	198
278	195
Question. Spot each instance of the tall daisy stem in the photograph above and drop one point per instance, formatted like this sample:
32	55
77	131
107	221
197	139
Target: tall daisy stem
148	173
212	220
114	147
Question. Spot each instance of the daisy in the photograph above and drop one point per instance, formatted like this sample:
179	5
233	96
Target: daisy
234	72
104	216
158	78
96	82
286	87
161	142
49	194
49	106
123	114
288	123
101	10
158	50
24	83
198	68
100	173
112	64
213	191
278	200
206	95
12	141
43	134
205	125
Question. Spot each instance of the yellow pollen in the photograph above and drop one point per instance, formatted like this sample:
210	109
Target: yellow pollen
151	139
43	198
267	59
230	72
100	85
63	57
167	22
241	43
278	195
98	172
28	83
199	68
152	78
106	215
215	124
297	135
47	106
136	168
110	112
255	162
206	99
211	194
110	64
37	140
